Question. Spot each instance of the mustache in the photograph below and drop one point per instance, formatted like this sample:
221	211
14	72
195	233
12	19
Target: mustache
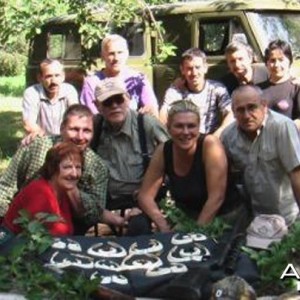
53	85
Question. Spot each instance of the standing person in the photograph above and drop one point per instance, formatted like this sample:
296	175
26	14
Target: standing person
239	58
45	103
60	174
114	53
89	198
118	141
195	165
211	97
280	91
265	147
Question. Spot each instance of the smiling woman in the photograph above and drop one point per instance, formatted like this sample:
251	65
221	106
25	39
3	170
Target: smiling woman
49	194
195	165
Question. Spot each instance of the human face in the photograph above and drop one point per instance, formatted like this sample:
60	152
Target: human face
249	110
115	109
278	65
184	130
194	70
68	175
51	77
78	130
239	63
114	55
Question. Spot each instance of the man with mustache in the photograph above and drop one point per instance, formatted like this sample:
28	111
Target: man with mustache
264	146
45	103
89	199
114	53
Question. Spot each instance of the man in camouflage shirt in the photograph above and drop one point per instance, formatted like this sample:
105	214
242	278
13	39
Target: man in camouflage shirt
89	199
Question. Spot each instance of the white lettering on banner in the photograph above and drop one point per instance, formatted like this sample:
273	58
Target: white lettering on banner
291	272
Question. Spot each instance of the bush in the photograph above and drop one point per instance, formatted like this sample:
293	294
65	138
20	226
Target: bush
12	64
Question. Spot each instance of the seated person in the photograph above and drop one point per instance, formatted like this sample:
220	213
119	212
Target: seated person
264	146
44	103
210	96
280	90
49	194
195	165
117	140
114	53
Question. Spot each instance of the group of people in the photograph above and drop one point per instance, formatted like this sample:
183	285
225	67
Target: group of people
84	156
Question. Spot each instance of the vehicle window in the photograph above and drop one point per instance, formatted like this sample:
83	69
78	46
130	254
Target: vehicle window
285	26
177	31
134	34
56	46
215	35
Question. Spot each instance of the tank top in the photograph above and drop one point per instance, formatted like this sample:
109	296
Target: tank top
189	191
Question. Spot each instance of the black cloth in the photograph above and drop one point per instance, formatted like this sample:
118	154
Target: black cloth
260	74
189	192
283	97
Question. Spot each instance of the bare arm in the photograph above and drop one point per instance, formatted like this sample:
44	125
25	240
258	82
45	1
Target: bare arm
150	186
215	162
295	181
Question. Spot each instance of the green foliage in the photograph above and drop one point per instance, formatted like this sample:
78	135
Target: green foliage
272	262
12	86
12	64
21	272
181	222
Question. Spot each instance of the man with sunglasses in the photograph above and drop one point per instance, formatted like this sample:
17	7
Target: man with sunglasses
265	147
118	141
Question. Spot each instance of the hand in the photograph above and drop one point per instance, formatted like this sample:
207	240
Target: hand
132	212
112	219
179	83
29	138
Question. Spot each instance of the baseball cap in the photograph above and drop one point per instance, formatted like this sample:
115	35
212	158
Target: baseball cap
264	230
108	88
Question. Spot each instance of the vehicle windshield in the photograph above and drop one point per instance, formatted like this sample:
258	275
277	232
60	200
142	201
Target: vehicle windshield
284	26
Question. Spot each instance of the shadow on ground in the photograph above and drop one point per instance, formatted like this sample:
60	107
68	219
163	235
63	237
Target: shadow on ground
10	132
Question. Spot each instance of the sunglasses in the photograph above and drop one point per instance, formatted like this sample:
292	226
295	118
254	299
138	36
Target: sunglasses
118	99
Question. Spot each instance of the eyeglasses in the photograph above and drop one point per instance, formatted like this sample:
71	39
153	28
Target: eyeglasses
118	99
250	108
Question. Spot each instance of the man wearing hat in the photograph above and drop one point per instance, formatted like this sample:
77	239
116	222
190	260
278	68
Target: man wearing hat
117	139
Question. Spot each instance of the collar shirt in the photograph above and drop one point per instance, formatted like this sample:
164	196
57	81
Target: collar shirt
266	163
213	101
48	114
122	152
25	166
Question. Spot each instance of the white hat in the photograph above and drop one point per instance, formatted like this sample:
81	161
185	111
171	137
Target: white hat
266	229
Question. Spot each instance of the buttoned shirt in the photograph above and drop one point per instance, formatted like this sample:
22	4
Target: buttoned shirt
266	163
137	85
25	166
213	101
48	114
122	153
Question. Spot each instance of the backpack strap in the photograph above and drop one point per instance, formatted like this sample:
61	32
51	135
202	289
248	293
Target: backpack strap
142	140
98	124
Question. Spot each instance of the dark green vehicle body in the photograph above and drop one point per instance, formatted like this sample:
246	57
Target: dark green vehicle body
209	25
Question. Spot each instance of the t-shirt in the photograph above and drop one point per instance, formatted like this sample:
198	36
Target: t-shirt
38	196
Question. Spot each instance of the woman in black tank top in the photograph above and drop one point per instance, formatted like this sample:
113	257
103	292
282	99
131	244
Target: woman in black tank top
195	165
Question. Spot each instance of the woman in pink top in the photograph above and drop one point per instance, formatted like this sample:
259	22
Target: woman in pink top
49	194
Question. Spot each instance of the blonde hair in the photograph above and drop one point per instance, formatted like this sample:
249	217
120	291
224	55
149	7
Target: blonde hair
183	105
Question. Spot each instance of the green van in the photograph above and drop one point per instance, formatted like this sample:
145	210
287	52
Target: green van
207	24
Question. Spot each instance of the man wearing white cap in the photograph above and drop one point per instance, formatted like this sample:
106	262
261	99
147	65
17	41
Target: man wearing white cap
117	138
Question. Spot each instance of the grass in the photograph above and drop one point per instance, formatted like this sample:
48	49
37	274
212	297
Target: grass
11	130
12	86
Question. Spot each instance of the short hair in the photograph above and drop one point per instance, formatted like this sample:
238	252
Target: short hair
181	106
245	88
111	38
192	53
79	110
49	61
237	46
281	45
56	155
